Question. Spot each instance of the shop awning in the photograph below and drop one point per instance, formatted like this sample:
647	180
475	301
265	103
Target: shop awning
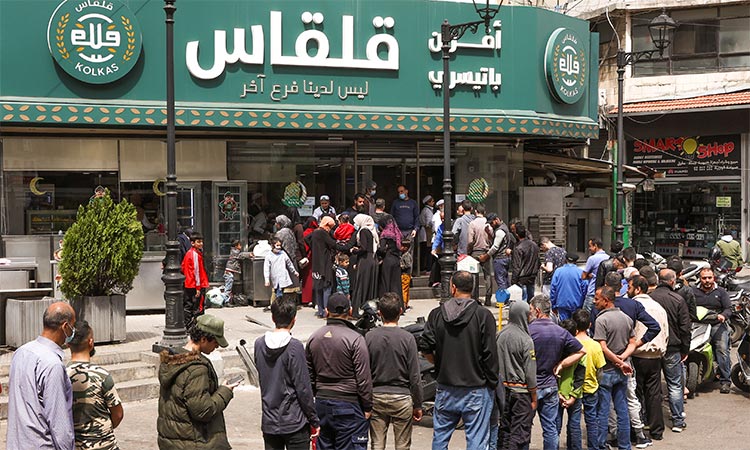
731	100
565	164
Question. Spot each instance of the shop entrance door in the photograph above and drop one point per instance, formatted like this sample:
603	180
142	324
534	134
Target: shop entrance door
583	224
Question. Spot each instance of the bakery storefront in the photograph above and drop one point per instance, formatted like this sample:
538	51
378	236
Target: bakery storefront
332	95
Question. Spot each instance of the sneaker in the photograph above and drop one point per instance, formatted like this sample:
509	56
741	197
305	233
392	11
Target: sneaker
725	388
642	442
677	428
435	285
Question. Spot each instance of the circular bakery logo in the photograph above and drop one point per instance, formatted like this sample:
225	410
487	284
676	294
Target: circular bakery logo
565	65
94	41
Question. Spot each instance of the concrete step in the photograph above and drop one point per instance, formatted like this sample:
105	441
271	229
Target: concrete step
135	390
424	293
134	370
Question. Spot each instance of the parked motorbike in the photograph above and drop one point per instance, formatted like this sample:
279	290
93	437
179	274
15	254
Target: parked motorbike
700	360
691	272
740	320
740	374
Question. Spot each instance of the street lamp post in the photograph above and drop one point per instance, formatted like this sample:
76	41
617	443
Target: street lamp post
661	30
174	329
448	33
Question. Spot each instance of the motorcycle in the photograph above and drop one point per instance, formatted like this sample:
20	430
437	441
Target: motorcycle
700	360
740	320
740	374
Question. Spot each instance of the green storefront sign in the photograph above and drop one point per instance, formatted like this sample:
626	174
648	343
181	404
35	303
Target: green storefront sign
359	65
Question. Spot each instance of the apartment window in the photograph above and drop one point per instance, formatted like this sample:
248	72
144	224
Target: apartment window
707	40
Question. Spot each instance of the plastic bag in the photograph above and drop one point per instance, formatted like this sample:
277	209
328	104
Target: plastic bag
215	298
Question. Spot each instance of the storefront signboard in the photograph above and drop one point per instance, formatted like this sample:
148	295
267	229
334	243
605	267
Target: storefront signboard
347	64
688	156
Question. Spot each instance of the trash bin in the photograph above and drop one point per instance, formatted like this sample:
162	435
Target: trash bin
470	265
255	284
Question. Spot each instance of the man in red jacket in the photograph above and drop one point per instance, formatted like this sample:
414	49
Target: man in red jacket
196	280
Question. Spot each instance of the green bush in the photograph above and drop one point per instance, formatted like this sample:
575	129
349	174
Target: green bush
102	250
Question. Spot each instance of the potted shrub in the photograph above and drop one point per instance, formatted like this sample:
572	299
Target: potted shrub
101	255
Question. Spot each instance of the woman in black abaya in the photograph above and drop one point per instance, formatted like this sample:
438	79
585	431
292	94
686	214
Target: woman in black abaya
366	285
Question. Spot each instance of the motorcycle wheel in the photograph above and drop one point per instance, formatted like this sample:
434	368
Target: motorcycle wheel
735	333
692	378
739	380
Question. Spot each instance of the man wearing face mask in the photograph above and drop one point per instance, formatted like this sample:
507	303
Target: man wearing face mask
97	409
406	212
370	191
40	398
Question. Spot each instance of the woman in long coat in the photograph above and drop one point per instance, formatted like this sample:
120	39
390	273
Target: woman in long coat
305	273
366	285
390	252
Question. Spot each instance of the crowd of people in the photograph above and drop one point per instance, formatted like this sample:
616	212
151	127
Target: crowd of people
592	346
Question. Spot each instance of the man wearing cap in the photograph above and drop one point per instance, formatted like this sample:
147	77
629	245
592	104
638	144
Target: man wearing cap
424	236
325	209
191	401
566	290
339	365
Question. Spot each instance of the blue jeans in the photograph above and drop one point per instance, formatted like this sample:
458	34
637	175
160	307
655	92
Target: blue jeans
588	303
574	424
501	272
590	406
672	366
720	343
321	299
613	388
342	425
473	405
547	405
528	291
228	283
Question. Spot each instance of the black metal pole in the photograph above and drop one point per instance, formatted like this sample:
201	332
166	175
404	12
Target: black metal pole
448	257
174	329
620	199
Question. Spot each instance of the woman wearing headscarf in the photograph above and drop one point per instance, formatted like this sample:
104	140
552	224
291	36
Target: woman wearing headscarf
367	241
305	273
324	247
285	234
390	252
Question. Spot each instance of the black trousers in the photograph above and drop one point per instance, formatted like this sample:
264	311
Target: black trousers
192	306
648	391
299	440
515	422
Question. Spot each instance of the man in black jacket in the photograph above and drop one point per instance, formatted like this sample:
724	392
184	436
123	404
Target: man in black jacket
678	344
288	406
524	263
459	337
339	366
716	300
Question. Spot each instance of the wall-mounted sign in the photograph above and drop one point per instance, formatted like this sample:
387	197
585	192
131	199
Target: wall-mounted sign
688	156
94	41
723	202
565	65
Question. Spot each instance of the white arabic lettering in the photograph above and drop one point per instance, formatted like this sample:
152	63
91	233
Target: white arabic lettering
222	57
486	76
96	3
489	42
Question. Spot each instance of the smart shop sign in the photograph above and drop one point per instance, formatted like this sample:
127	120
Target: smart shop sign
94	41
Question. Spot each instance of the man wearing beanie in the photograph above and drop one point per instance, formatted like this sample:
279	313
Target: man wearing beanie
339	366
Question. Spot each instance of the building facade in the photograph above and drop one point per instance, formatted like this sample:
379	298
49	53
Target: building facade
687	119
331	96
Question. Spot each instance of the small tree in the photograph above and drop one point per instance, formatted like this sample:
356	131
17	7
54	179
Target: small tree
102	250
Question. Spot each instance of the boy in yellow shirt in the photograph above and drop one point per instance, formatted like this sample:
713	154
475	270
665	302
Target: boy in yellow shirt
594	361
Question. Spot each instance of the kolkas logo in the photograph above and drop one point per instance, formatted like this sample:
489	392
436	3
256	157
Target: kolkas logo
565	65
94	41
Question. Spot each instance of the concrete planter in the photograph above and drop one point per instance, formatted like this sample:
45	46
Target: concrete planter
23	318
105	315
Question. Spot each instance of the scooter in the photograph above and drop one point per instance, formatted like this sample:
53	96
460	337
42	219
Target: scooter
700	360
740	320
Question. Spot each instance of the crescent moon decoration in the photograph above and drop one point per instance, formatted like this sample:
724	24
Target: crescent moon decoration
479	190
33	188
156	189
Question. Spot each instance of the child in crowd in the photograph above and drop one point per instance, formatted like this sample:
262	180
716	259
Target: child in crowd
278	270
344	230
233	267
570	389
407	261
594	361
342	274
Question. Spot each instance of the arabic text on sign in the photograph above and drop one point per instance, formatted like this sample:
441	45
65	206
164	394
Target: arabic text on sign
302	56
486	76
489	42
282	92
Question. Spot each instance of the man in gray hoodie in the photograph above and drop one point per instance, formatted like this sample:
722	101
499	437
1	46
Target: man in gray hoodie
515	350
